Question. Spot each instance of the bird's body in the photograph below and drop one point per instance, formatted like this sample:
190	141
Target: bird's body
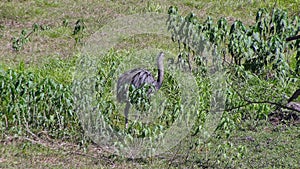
139	78
135	77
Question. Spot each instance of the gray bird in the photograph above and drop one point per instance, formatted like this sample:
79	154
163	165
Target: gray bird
139	78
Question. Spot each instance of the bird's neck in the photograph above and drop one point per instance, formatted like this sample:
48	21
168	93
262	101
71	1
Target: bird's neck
160	77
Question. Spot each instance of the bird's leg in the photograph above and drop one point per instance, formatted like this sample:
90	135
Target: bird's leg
191	55
189	62
126	113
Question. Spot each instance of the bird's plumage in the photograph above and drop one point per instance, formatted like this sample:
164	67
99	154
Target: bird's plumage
135	77
138	78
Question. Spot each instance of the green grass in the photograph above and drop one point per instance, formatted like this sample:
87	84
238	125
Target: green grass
25	154
267	148
21	15
53	53
271	147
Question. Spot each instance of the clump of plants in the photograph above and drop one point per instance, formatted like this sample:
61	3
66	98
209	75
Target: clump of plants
261	48
30	103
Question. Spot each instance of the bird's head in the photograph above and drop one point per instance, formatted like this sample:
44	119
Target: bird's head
160	58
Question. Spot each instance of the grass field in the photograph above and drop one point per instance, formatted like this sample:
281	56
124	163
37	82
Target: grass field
52	53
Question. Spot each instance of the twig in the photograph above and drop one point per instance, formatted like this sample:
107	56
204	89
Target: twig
295	95
27	129
173	158
57	146
249	102
262	102
33	141
292	38
27	36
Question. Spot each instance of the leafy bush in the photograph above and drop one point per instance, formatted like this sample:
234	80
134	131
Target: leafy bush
30	102
261	48
258	61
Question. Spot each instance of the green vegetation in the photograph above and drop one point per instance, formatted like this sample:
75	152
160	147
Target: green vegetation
40	121
260	48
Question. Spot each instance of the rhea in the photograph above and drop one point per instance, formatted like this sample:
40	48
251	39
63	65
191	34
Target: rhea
139	78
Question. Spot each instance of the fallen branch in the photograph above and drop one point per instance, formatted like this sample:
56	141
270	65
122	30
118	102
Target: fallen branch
292	38
249	102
